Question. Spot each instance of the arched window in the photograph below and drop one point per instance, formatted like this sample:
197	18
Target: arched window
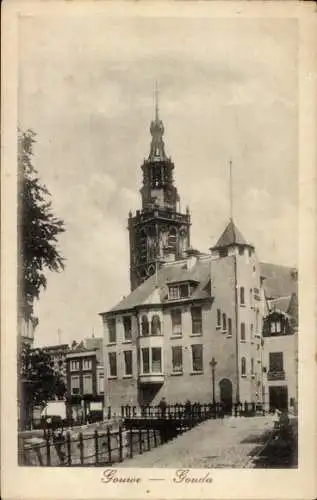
172	238
145	326
143	245
155	325
243	366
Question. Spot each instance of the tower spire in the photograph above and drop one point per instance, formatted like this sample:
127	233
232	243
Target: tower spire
156	97
157	151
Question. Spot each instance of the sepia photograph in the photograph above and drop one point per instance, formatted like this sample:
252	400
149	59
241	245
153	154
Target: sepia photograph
157	243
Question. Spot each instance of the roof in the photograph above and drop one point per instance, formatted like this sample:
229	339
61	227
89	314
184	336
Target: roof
231	236
279	281
58	347
280	304
155	289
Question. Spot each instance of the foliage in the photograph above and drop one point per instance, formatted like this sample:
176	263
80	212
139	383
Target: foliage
38	229
40	383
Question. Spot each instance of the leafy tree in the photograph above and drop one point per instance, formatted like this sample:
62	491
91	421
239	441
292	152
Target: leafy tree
39	229
39	381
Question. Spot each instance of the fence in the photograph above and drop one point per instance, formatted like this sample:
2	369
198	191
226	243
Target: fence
102	448
144	428
196	411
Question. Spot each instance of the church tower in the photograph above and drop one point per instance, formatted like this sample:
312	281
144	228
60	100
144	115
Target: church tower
158	232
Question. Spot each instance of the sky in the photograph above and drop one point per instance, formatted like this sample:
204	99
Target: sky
228	90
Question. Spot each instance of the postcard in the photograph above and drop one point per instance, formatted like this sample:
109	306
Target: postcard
159	250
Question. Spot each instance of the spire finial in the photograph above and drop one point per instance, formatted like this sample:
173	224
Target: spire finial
156	92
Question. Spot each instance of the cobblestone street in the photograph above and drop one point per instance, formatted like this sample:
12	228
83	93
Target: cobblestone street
215	443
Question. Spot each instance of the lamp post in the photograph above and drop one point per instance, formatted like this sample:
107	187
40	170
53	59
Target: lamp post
213	364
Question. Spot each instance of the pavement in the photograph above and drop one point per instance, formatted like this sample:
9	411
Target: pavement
228	443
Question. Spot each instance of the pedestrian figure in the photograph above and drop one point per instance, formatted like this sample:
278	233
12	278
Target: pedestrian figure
188	406
221	411
276	418
162	407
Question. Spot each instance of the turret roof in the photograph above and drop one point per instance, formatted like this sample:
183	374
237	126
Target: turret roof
231	236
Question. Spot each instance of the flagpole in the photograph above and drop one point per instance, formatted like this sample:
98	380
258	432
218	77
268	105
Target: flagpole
231	195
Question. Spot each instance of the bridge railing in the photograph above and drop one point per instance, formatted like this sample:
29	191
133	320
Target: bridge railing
195	411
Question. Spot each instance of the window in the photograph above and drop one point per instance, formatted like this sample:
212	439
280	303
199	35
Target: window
252	366
101	383
128	362
251	297
218	318
197	357
176	316
144	326
127	325
112	330
276	362
177	359
156	360
241	250
230	327
275	327
242	303
173	292
250	252
112	364
87	384
87	364
74	384
251	331
243	367
242	333
224	322
196	320
156	325
184	291
143	245
145	360
223	252
74	366
172	239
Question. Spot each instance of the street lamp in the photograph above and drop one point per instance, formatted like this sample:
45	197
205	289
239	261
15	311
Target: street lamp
213	364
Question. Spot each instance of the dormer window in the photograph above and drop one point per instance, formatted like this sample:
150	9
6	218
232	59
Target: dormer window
184	291
181	290
276	327
173	292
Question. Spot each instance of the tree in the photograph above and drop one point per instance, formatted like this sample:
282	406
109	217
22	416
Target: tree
38	231
40	383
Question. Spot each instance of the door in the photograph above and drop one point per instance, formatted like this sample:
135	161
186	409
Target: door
278	395
225	386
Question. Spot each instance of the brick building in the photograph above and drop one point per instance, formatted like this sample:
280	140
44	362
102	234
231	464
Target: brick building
82	383
280	334
192	324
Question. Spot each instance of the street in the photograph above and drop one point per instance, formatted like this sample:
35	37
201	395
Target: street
228	443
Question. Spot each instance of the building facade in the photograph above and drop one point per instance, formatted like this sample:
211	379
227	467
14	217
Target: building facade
197	321
280	333
192	326
82	390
